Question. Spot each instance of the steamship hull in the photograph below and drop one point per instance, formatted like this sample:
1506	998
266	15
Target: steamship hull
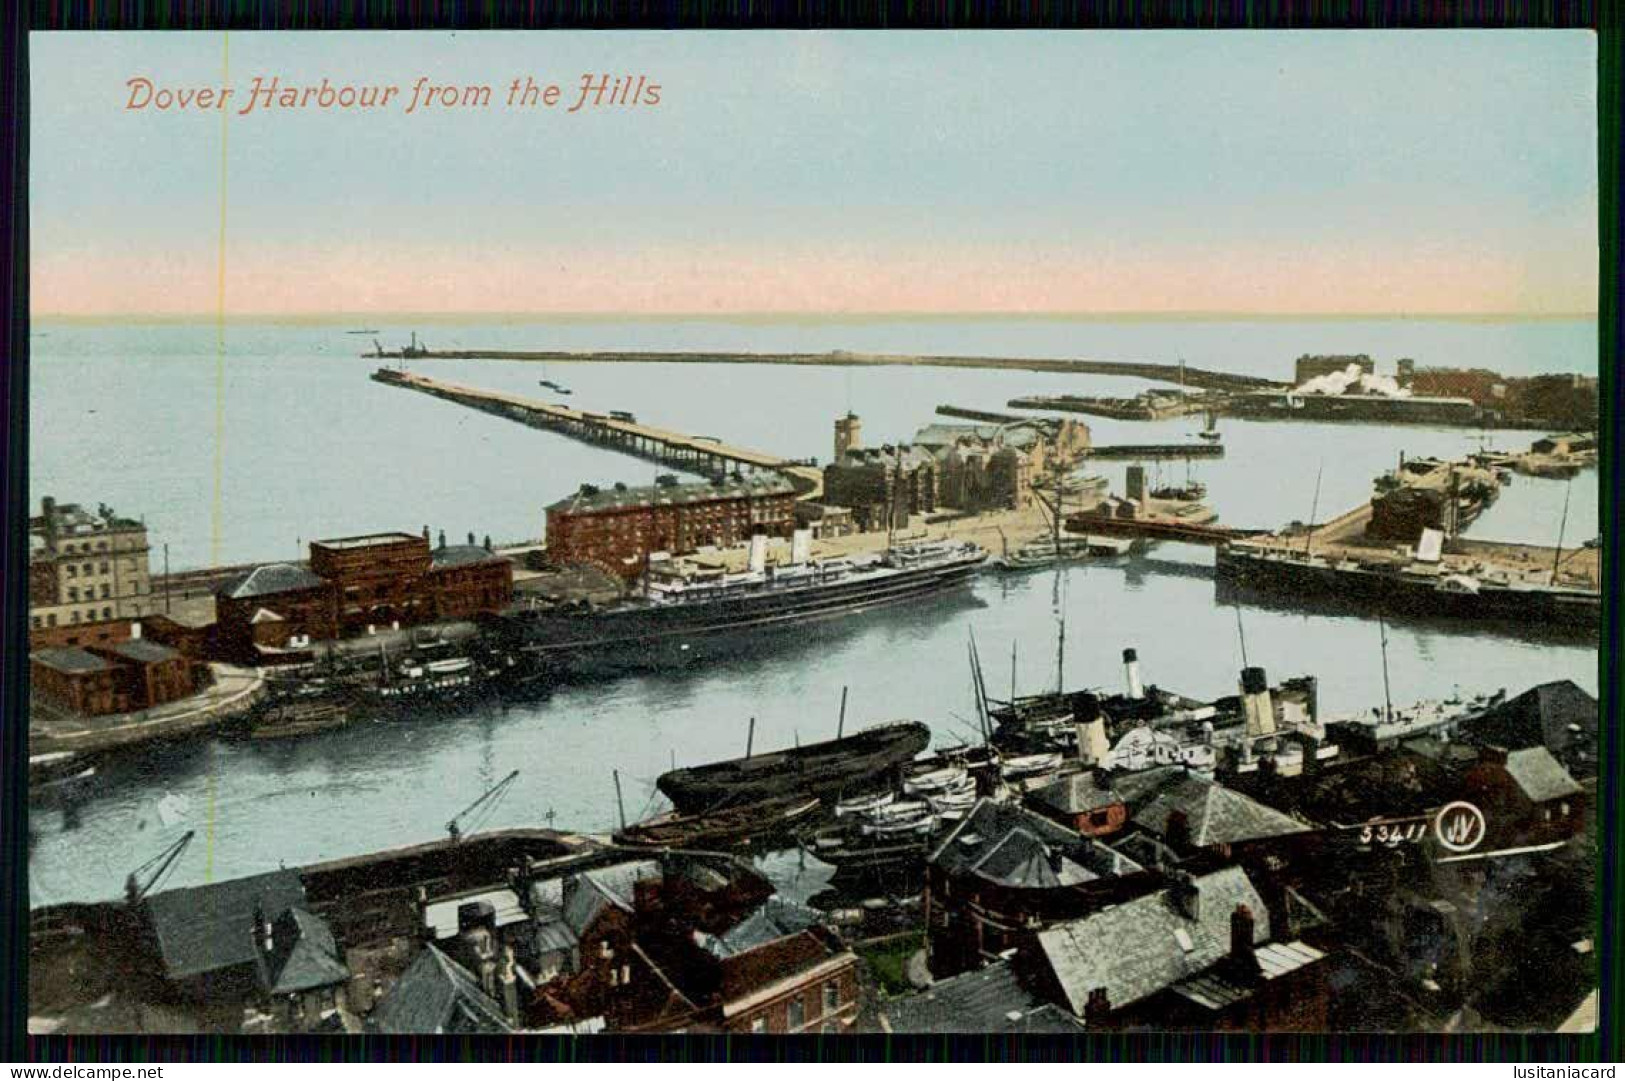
591	640
1392	591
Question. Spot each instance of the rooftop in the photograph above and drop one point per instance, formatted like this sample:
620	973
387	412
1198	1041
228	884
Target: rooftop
144	651
1214	814
70	659
461	555
205	929
775	919
369	540
620	497
987	1000
1010	845
436	996
1540	776
269	579
304	955
1135	949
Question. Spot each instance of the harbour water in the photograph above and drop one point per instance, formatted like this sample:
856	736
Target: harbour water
127	415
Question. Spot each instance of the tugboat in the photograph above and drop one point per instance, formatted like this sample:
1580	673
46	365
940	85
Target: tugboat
832	769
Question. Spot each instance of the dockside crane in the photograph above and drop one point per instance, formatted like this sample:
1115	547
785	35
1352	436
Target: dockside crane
454	827
135	888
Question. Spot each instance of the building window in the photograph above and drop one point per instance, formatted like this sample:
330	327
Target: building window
832	996
50	620
39	621
73	617
73	571
107	613
758	1024
104	566
89	569
795	1014
604	949
105	589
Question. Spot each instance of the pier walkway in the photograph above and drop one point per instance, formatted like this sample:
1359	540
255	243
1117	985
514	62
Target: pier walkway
691	453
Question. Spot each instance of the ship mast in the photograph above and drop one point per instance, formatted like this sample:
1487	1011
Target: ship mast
1314	509
1387	696
1562	524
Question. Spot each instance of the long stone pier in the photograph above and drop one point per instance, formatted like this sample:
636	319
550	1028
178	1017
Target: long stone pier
1201	378
690	453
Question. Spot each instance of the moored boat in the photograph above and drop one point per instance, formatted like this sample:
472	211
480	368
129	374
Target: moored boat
831	769
737	826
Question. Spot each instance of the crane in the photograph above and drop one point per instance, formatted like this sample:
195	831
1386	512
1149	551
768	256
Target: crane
492	794
135	889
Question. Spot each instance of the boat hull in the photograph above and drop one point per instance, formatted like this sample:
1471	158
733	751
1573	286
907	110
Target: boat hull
826	770
1399	593
665	628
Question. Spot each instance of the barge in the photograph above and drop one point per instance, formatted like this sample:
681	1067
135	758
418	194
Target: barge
830	770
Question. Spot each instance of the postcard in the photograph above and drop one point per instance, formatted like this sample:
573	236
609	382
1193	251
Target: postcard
813	533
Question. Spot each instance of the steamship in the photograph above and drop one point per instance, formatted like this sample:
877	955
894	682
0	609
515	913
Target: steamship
675	611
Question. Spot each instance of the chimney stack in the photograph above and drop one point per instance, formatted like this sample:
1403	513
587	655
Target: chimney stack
1090	724
1097	1008
1131	670
1241	940
1186	897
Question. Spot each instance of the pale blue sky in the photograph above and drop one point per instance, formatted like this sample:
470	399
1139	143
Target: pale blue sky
1337	171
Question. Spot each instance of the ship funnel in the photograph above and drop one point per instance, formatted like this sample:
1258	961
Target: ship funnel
1090	724
1131	671
800	546
758	552
1256	704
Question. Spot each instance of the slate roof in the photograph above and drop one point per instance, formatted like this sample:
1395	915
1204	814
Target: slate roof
270	579
1078	793
591	892
461	555
775	919
204	929
1540	776
304	955
1008	844
990	1000
436	995
1215	990
1215	814
1557	715
670	494
70	659
139	649
1146	945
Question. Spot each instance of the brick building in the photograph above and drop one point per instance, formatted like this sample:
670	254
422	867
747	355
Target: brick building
1004	873
618	528
119	678
353	584
874	481
85	566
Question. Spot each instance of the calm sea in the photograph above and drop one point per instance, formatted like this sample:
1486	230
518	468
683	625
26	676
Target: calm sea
129	414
